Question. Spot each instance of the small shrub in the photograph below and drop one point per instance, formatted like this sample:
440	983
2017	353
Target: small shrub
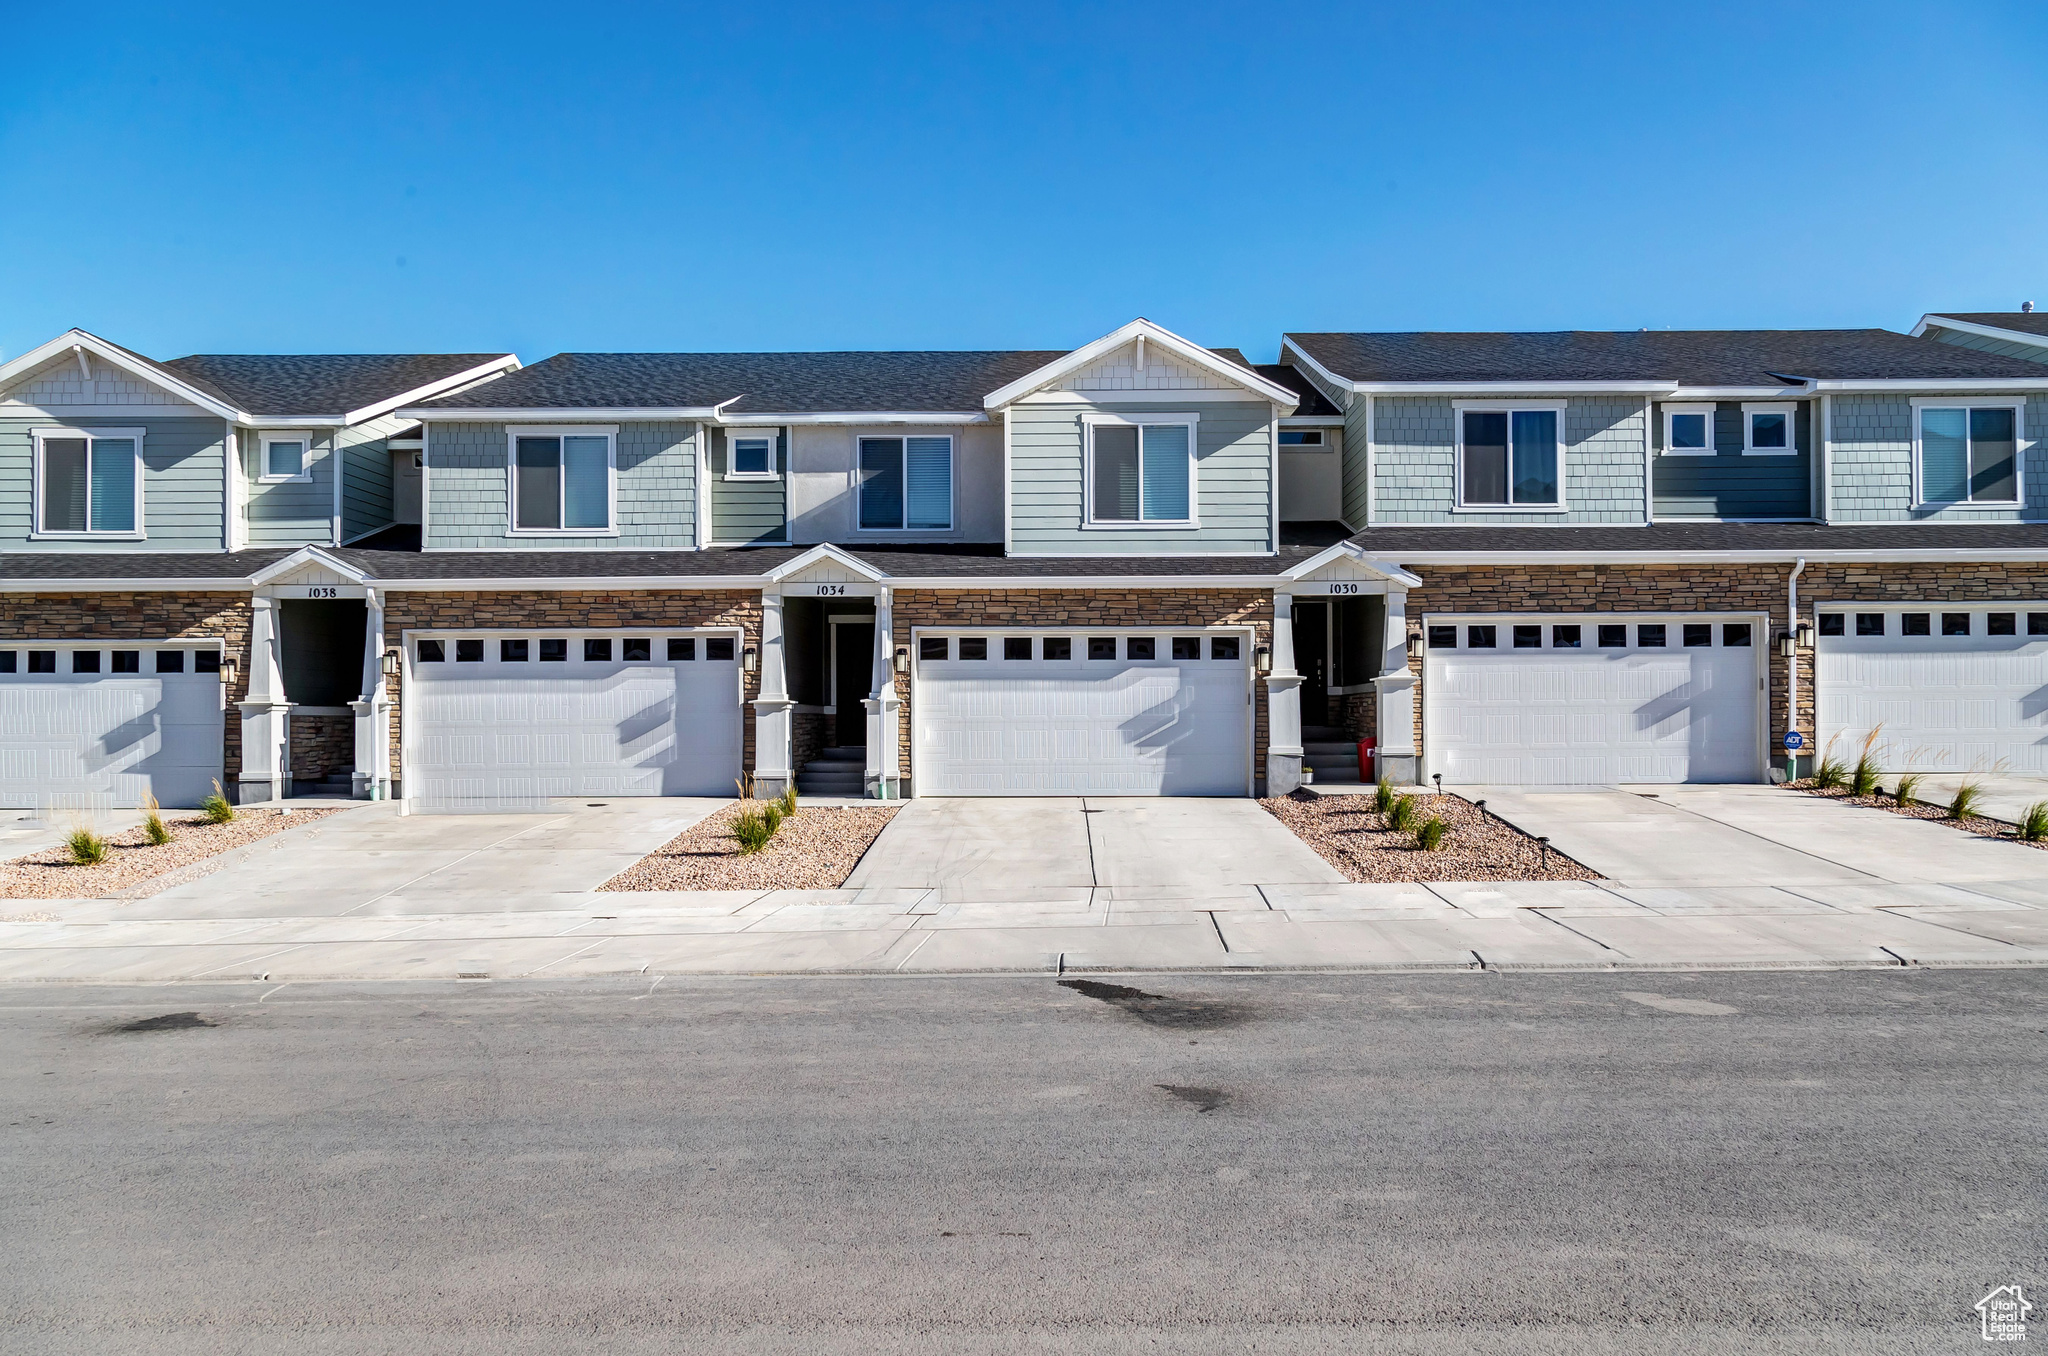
787	800
1909	789
1430	834
216	808
1863	780
87	847
1831	775
771	813
2033	825
752	829
1403	814
1383	796
1969	795
153	827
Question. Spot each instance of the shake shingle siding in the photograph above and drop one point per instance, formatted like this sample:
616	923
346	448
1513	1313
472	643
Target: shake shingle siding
183	485
466	489
1871	474
1234	482
1415	455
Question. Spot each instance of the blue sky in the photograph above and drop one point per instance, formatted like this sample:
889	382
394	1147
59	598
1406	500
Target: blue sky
367	177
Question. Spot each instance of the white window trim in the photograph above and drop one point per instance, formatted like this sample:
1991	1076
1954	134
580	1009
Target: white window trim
303	437
772	435
38	532
952	481
1321	444
2018	406
1707	451
1090	422
610	434
1788	408
1458	410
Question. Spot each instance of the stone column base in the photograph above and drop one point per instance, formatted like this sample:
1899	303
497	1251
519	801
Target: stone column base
1283	774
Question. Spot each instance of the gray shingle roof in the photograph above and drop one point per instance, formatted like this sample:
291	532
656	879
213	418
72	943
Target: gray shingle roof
766	383
1688	357
317	383
140	566
1786	539
2023	322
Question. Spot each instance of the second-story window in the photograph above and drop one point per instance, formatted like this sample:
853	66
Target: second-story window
88	482
1508	458
1767	430
1689	430
284	456
562	482
1969	454
1141	472
906	484
750	456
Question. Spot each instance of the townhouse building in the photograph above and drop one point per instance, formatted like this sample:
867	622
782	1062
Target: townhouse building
1140	567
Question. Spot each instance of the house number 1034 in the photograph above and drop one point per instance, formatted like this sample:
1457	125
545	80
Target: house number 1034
831	590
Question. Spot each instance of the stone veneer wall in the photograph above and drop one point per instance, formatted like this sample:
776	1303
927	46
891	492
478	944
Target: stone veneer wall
145	616
322	745
535	610
1713	588
1079	608
806	737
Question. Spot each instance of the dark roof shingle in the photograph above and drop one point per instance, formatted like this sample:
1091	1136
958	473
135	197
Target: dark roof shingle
1313	402
2020	322
1688	357
317	383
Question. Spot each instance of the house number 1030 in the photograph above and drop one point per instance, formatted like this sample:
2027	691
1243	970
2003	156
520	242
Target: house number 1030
1343	588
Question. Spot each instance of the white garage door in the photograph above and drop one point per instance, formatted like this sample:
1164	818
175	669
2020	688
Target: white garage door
1947	688
87	728
1594	699
506	720
1073	713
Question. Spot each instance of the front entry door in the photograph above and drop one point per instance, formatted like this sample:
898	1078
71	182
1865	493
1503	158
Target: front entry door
853	679
1312	660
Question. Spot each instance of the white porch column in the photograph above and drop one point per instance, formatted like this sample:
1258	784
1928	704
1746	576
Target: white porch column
266	715
372	779
1283	704
772	708
1396	689
883	777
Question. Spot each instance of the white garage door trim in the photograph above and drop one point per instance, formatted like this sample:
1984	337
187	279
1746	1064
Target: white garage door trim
583	774
1937	716
1441	744
928	775
76	755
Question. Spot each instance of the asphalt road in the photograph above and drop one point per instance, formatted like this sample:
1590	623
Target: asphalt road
1569	1163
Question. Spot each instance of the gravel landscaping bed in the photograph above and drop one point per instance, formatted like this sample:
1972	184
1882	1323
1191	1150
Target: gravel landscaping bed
1353	837
1977	824
51	874
816	849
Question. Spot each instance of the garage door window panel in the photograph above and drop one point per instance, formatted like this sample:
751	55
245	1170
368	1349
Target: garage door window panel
1969	454
88	483
1141	473
562	483
1508	459
906	484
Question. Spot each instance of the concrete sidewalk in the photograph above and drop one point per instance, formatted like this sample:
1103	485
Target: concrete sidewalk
1521	925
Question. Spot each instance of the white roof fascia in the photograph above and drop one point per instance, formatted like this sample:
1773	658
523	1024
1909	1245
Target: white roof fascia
1531	388
508	362
77	338
1803	389
563	414
1181	348
308	555
1345	550
1512	557
858	417
1940	385
824	551
2026	337
1288	346
1312	421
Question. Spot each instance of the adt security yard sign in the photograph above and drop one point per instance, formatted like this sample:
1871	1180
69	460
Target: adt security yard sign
1794	740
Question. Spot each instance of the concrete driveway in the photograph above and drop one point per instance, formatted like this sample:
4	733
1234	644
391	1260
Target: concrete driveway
1751	836
372	860
992	849
2006	795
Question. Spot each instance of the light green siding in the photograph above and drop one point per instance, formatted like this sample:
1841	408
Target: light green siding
368	497
183	484
1870	467
466	490
748	510
289	512
1415	456
2005	348
1233	482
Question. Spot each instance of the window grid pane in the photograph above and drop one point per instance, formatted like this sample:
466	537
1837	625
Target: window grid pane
64	485
586	483
1991	456
1486	457
928	466
538	483
881	483
1944	456
1165	477
1116	473
1535	456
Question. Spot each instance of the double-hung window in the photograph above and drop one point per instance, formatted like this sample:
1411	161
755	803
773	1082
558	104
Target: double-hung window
1689	430
750	455
906	484
284	456
1508	458
561	479
1141	470
88	482
1969	453
1767	430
